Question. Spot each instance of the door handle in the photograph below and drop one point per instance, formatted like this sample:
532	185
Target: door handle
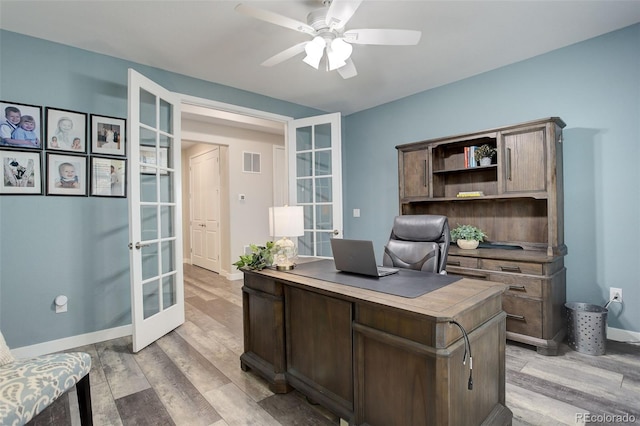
138	245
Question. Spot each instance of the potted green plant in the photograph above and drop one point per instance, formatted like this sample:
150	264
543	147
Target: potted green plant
260	257
467	236
484	153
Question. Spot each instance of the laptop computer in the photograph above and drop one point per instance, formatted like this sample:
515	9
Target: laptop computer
357	257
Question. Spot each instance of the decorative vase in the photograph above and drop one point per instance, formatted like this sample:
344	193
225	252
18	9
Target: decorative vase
485	161
467	244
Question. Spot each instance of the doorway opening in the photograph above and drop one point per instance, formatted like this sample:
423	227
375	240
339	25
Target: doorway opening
242	196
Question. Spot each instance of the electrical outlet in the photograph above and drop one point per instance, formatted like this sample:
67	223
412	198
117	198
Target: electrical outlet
615	294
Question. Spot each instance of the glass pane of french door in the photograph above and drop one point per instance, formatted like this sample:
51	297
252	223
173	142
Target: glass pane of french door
315	155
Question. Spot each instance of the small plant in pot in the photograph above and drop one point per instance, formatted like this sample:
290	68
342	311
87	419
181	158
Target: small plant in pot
484	154
260	257
467	236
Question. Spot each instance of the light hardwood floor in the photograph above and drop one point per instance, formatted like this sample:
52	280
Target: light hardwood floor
192	376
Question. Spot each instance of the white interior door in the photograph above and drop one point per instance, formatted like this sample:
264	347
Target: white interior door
205	210
280	181
315	176
155	216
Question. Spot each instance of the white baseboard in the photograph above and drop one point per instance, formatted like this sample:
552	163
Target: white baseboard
71	342
620	335
234	276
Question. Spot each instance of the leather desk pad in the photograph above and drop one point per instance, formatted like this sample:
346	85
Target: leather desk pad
406	283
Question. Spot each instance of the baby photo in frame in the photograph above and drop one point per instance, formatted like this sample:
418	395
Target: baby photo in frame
108	177
66	130
108	135
21	172
20	125
66	174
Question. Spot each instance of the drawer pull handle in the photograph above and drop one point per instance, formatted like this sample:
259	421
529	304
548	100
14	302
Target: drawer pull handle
510	269
454	262
424	175
516	317
517	287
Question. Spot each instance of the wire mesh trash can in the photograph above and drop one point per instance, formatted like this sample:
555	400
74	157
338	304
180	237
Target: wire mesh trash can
586	328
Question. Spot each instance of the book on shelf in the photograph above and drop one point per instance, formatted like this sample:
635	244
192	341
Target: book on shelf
470	157
467	194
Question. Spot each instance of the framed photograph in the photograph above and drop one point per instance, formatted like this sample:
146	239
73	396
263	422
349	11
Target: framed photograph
20	125
66	130
148	156
66	174
108	135
108	177
21	172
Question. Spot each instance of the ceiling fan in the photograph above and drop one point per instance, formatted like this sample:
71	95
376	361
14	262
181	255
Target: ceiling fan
330	39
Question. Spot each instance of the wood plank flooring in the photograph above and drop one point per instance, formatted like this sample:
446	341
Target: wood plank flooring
192	376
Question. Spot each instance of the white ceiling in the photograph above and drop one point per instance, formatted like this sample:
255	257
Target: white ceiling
208	40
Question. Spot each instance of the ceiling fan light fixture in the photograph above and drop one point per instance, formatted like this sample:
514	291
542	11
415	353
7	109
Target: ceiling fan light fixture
341	48
337	53
314	50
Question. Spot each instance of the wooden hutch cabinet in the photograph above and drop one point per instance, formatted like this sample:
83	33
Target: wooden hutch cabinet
519	205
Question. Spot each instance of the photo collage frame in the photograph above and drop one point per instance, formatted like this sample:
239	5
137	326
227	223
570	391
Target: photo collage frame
45	151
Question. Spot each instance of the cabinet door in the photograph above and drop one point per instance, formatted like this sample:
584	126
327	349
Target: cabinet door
525	160
415	169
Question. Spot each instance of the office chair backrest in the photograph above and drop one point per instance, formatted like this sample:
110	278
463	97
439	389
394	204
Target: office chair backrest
418	242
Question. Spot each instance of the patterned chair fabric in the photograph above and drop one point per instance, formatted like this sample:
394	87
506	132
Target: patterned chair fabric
28	386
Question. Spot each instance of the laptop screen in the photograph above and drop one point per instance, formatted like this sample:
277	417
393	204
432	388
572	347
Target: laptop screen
355	256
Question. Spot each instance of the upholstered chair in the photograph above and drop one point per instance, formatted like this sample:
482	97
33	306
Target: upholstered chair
418	242
28	386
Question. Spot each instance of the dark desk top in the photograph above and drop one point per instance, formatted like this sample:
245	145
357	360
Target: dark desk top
405	283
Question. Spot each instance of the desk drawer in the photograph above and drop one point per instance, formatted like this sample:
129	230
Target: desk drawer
512	266
462	261
524	316
519	285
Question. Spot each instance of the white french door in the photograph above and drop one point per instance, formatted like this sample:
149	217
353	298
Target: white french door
315	180
205	210
155	217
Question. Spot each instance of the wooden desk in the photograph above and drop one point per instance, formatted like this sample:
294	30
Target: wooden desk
379	359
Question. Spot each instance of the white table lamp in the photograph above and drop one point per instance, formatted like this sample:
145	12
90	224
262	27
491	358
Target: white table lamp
285	222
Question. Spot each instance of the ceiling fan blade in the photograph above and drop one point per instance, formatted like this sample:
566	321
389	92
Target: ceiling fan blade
383	36
348	71
340	11
285	54
274	18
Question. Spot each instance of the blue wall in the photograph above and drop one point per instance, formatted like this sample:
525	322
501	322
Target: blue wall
594	86
77	246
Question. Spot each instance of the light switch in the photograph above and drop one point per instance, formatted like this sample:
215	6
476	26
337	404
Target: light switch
241	197
356	212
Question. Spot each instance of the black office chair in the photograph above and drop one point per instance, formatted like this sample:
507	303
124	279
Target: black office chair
418	242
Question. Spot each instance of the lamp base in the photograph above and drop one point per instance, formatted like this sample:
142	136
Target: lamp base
285	267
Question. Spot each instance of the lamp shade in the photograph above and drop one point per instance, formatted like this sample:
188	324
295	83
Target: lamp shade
338	52
314	50
287	221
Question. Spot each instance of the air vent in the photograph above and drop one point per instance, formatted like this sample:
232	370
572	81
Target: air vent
251	163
